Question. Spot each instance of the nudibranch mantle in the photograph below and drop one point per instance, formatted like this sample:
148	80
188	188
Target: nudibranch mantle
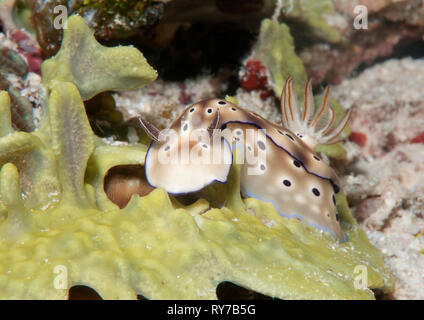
190	155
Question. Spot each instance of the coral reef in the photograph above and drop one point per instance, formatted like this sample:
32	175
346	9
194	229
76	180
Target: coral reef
391	24
323	30
384	178
276	50
111	19
134	243
56	215
13	68
73	192
98	70
272	61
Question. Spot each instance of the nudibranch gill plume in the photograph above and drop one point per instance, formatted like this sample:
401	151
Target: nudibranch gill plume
196	150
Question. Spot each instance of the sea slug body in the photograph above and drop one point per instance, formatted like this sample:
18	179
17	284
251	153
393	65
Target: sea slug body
196	150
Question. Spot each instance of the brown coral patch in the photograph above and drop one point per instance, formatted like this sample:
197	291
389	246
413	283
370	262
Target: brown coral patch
121	182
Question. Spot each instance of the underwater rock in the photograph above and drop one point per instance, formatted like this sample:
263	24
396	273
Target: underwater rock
323	31
110	20
242	12
161	101
16	26
392	24
13	69
386	175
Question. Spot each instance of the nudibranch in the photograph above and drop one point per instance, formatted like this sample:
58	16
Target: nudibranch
279	164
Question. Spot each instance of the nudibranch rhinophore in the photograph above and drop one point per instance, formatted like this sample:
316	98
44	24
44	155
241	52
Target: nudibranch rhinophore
278	163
